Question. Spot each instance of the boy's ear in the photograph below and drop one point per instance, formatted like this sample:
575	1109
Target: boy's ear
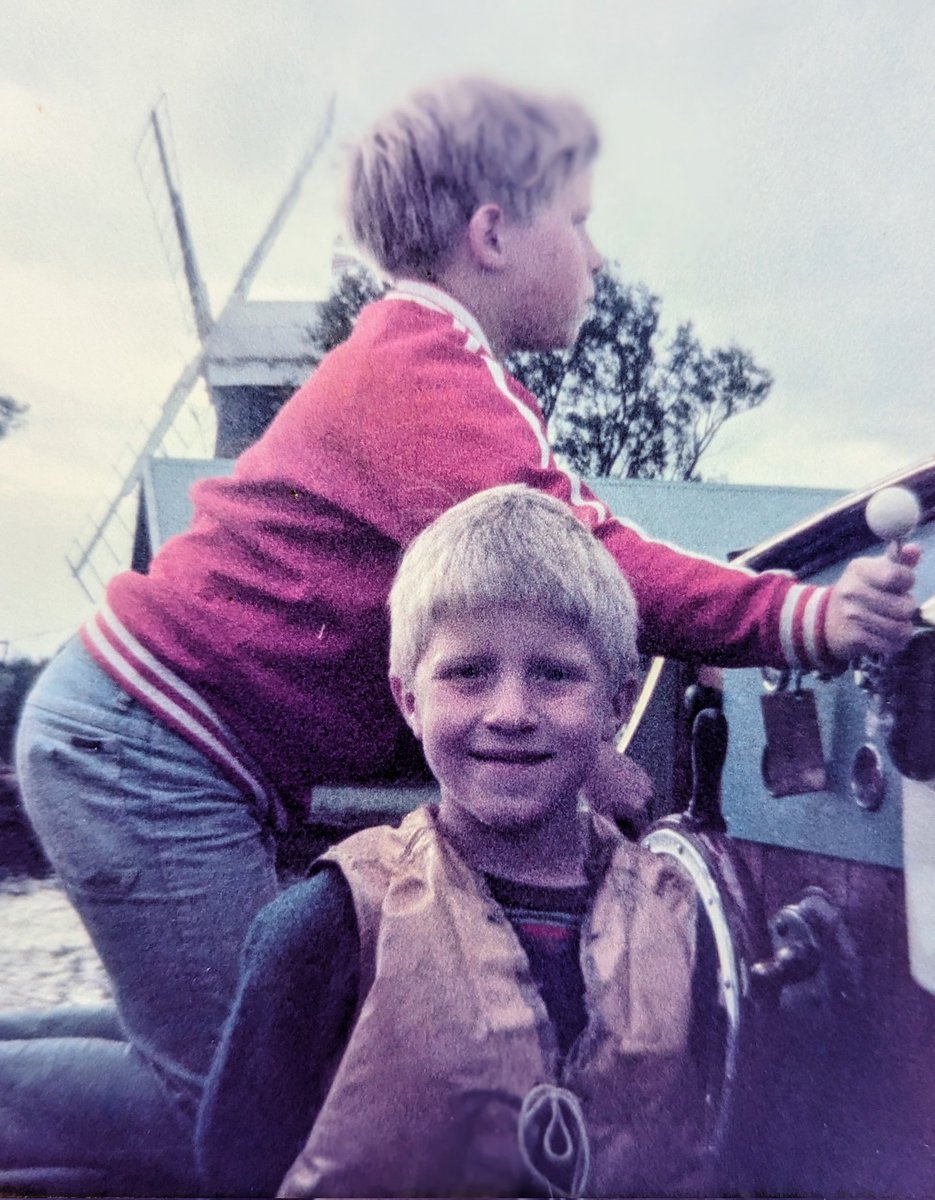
621	705
407	703
485	236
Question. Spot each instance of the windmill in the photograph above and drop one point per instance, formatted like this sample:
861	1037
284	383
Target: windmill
250	357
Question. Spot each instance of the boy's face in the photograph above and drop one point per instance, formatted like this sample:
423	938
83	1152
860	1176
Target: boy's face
511	707
552	267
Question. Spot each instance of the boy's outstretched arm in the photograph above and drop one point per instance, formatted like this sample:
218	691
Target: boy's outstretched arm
451	421
870	608
287	1028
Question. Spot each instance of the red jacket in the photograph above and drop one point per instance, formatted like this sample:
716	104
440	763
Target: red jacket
261	633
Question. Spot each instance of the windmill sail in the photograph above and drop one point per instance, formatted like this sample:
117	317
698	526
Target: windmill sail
167	174
155	159
113	526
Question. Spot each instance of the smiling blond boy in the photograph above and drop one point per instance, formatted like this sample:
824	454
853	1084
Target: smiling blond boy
510	996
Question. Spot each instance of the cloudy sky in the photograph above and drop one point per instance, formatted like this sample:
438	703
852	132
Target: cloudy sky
768	170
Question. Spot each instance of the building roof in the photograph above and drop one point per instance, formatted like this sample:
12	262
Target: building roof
716	519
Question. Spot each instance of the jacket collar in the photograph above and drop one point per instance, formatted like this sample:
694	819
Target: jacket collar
430	296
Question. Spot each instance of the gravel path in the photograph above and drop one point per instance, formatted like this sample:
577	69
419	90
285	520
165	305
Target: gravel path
46	957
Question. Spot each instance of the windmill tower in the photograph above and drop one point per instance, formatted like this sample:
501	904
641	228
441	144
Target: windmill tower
250	358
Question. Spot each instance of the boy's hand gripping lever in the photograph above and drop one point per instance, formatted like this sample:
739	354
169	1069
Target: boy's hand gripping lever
892	515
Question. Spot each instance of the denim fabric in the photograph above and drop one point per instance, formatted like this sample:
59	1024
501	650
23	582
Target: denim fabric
167	865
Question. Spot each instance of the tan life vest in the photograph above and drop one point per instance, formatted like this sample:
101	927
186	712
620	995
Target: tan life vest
452	1036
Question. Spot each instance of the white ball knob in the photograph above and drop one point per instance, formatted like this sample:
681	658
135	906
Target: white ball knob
893	513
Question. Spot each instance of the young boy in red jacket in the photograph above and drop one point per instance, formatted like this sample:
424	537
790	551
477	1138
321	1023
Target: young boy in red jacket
509	1004
161	749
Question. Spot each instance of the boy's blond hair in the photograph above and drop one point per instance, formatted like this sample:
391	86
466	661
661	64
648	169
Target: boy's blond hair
422	171
512	546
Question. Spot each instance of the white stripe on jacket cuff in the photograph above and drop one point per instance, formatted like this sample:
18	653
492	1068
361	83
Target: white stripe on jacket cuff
802	628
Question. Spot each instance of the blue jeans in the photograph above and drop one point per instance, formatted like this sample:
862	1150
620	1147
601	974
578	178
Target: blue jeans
167	864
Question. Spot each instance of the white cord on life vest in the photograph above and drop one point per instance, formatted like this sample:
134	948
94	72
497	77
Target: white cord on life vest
562	1147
